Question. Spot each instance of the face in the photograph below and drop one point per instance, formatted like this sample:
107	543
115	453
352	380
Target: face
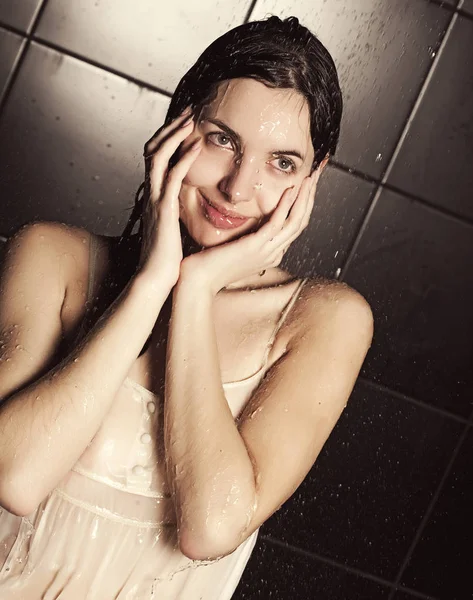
256	144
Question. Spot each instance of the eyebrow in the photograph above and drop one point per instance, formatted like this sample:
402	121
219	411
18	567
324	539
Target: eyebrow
235	135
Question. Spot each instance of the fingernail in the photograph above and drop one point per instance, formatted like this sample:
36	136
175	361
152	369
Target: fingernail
186	111
187	121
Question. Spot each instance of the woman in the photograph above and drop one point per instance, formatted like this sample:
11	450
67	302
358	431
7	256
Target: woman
113	484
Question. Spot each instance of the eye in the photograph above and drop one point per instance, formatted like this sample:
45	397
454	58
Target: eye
219	139
285	165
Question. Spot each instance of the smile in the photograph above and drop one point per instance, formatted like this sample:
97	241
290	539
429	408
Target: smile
218	219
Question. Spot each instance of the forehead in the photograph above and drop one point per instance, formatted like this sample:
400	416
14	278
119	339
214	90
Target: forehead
254	110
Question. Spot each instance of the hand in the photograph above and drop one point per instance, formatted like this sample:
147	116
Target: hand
221	265
161	249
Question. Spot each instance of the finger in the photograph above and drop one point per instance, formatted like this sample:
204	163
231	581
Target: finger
152	144
301	223
163	132
160	160
186	126
273	227
179	171
294	214
298	209
276	220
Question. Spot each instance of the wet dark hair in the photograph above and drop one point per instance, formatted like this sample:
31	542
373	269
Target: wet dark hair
278	53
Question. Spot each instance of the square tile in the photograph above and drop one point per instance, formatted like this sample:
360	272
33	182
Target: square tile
76	136
364	498
441	563
383	51
340	205
436	156
151	41
19	13
411	265
277	572
10	46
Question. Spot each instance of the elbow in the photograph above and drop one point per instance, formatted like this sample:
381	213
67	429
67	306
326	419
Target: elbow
210	545
217	535
15	497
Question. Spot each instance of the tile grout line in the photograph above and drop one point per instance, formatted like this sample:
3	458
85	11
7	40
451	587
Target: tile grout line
405	193
325	559
27	36
98	65
414	593
250	11
420	97
430	508
13	70
398	146
334	563
411	400
13	29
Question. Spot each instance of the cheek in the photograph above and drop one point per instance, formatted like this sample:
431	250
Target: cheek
272	191
205	170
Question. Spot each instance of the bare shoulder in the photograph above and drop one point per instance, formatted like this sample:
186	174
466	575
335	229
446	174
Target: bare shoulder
59	237
324	301
67	250
39	262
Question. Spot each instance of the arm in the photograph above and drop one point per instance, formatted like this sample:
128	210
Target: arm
302	398
209	469
48	418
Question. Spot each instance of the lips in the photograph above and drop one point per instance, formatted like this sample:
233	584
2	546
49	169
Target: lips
219	219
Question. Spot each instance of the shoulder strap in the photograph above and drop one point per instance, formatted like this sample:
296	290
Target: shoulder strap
283	316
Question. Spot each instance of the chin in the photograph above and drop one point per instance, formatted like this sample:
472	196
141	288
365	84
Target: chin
206	236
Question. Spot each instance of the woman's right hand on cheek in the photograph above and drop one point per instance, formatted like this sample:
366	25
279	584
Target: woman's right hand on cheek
161	248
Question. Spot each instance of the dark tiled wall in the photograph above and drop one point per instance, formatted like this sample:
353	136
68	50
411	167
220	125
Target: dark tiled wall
385	511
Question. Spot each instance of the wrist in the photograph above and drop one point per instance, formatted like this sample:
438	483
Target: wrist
195	285
155	286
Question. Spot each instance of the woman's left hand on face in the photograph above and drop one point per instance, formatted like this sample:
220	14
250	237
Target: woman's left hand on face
219	266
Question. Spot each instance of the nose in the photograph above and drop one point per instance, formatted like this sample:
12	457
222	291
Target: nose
240	184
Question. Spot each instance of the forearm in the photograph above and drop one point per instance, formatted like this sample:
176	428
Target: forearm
209	468
46	426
